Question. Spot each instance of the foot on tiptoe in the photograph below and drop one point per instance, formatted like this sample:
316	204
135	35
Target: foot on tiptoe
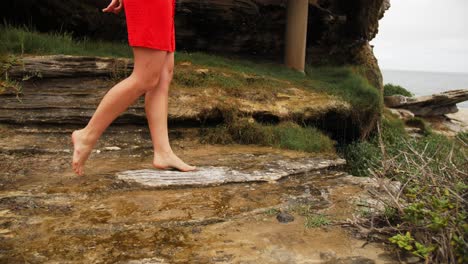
166	160
81	150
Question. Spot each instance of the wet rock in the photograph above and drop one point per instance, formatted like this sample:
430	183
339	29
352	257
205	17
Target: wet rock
284	217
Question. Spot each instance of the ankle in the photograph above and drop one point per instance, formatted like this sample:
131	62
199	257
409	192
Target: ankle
88	137
165	152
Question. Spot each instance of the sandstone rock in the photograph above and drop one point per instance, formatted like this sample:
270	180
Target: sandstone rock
328	256
214	175
402	113
71	87
460	119
54	66
432	105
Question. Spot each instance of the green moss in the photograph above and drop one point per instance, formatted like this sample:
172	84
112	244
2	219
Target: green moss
287	135
392	89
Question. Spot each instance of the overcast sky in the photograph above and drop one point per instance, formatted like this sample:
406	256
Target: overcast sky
424	35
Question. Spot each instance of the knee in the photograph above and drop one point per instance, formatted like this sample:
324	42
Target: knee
148	83
169	71
165	78
167	74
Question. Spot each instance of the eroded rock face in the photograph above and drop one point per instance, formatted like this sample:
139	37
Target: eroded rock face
338	31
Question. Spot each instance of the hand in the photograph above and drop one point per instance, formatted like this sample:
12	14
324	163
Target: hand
114	7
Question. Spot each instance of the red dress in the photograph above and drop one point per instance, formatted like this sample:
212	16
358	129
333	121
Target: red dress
150	23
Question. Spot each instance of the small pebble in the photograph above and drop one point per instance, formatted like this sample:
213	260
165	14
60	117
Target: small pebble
283	217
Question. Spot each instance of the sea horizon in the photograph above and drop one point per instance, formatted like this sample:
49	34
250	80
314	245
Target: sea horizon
423	82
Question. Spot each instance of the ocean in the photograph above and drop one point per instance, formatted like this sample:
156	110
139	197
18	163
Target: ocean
427	83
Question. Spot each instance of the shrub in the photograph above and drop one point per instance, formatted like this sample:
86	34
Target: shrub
392	89
429	214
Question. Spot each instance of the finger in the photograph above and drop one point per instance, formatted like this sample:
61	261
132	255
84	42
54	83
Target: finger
119	7
110	7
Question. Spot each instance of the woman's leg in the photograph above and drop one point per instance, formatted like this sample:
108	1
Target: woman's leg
145	76
156	106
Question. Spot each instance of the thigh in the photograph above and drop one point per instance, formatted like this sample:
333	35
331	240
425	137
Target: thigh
148	63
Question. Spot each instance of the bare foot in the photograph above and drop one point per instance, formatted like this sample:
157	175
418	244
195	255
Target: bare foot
168	160
81	151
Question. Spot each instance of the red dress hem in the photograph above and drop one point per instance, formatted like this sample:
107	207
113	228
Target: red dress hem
150	23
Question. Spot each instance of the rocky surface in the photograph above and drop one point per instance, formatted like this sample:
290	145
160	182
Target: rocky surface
460	118
431	105
438	110
47	214
124	211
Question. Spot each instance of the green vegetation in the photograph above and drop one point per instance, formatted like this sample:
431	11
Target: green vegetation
272	211
421	124
22	40
408	243
288	135
392	89
429	217
347	83
316	220
312	219
344	82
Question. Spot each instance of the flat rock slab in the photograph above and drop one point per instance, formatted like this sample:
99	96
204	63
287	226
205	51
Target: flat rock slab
432	105
215	175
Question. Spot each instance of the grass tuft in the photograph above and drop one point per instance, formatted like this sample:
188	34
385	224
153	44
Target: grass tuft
24	40
316	220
